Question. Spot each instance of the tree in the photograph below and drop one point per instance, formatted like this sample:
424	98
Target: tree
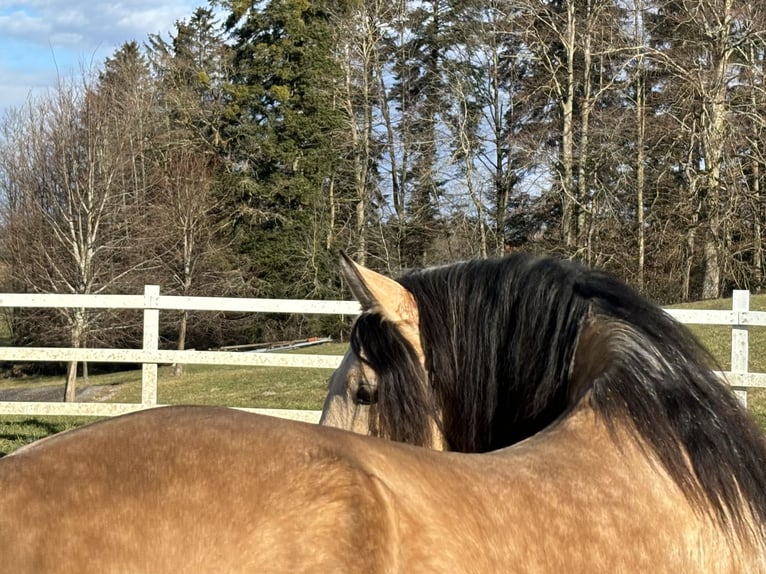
192	70
422	85
359	37
284	120
698	44
487	71
579	52
72	172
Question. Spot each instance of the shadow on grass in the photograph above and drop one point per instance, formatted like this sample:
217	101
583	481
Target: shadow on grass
17	432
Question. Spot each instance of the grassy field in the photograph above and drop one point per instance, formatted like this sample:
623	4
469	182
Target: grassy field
272	387
717	339
265	387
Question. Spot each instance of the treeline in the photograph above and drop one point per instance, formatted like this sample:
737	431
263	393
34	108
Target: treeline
239	154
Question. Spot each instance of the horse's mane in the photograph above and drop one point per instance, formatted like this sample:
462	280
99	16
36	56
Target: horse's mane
500	337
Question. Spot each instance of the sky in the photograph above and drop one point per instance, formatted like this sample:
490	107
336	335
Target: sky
41	40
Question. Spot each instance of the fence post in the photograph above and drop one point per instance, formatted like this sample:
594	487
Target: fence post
151	343
739	340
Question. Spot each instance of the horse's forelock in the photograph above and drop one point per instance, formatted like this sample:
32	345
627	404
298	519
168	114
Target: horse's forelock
404	410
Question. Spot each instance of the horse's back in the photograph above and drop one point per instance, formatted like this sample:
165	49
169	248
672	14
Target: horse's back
205	489
189	489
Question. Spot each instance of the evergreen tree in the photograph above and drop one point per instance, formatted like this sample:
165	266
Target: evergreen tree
420	91
283	121
193	70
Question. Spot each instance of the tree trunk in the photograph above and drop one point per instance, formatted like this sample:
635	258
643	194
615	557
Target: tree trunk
757	190
640	184
760	215
71	383
584	233
711	284
640	144
331	223
569	205
714	135
78	331
502	175
178	368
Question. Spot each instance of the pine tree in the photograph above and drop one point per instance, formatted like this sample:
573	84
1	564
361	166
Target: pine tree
283	121
193	70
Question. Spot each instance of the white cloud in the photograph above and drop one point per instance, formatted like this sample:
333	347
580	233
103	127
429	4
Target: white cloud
68	39
82	24
43	39
21	25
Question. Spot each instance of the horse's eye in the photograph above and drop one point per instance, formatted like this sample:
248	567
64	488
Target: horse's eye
366	395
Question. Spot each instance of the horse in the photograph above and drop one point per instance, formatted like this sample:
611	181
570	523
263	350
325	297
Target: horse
507	353
206	489
203	489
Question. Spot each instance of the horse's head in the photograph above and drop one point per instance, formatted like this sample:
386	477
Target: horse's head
483	354
381	387
437	359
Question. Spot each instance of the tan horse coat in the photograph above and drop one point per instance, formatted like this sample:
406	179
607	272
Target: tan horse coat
199	489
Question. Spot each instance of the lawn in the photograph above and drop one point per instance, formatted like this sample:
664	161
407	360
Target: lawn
298	388
264	387
717	339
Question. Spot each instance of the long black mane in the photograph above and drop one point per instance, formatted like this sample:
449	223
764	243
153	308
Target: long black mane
499	338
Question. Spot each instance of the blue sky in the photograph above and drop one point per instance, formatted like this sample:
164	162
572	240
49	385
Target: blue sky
43	39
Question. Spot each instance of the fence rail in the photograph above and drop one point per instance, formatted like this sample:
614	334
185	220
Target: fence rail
740	318
149	356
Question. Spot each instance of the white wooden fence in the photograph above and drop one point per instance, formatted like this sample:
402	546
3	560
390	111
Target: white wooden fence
151	302
739	318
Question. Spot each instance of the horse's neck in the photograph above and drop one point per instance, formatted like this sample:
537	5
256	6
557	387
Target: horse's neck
580	437
581	445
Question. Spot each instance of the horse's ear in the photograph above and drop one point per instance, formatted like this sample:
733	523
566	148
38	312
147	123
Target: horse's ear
376	292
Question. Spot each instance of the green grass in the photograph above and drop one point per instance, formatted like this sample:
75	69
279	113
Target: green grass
111	379
294	388
717	340
16	431
263	387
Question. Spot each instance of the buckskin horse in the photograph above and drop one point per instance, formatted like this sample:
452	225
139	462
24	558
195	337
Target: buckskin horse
627	455
510	353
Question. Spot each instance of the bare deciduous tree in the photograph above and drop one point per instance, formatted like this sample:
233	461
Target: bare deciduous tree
64	160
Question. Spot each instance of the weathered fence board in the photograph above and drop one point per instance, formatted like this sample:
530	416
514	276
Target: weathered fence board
739	318
179	303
